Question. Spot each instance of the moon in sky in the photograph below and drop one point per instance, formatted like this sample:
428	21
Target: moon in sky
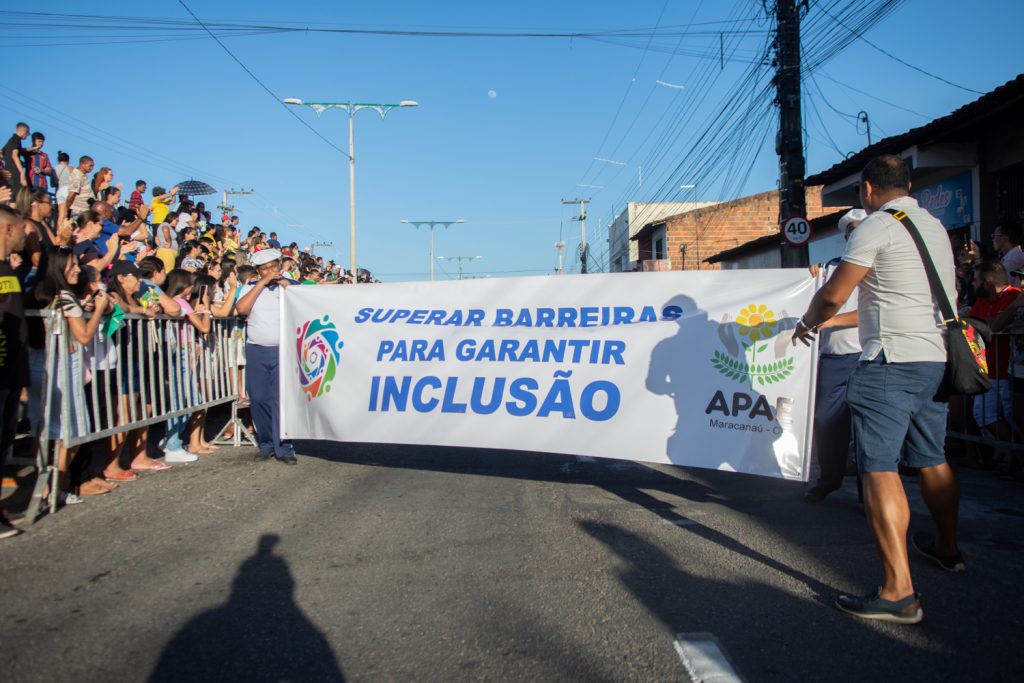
492	94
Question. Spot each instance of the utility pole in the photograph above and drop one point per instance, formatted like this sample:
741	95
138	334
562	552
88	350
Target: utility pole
460	259
582	218
790	141
228	208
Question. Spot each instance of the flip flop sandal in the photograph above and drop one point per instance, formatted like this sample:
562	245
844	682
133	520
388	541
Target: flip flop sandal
92	490
125	475
158	467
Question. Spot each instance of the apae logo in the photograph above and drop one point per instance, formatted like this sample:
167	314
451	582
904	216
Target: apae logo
756	325
745	341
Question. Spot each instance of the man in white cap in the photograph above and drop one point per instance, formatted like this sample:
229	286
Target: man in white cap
260	302
839	352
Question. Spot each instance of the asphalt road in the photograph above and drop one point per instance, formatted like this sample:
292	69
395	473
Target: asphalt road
372	562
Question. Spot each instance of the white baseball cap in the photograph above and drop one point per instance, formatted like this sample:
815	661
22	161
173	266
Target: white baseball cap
849	217
264	256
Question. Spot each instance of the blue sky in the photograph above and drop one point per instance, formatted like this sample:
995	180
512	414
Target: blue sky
506	128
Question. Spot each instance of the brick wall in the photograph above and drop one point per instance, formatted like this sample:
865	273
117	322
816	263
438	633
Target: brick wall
696	235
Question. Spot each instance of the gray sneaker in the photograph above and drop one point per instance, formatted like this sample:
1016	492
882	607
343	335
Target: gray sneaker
905	611
925	544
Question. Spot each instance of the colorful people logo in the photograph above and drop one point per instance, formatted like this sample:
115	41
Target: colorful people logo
318	345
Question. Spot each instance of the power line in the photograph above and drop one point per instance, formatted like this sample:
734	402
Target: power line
46	20
651	91
716	158
261	84
625	96
732	141
875	97
905	63
691	101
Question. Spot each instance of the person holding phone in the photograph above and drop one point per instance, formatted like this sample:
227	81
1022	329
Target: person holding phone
1006	239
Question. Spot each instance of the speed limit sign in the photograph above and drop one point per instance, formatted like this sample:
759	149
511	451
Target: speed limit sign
796	230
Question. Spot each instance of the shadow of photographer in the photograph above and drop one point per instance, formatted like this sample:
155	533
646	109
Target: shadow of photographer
698	378
259	634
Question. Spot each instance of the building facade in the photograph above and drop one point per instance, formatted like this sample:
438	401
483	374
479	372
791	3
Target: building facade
622	251
967	169
685	241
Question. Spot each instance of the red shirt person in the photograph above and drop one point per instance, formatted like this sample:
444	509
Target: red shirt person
993	410
994	295
40	172
136	199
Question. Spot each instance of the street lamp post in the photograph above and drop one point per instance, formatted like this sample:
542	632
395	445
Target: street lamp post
431	224
459	259
351	108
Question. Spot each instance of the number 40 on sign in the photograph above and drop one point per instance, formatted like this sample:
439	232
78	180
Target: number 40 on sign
796	230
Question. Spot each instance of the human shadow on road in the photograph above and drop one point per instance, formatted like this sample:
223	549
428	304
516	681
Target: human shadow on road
773	502
704	355
770	633
822	592
259	634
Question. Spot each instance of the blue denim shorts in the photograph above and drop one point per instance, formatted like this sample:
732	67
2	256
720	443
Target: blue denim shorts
895	415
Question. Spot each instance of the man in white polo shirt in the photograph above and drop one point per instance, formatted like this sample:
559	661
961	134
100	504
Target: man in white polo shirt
892	394
260	301
1006	239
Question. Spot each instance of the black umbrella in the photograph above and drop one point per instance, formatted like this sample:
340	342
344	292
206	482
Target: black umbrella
195	188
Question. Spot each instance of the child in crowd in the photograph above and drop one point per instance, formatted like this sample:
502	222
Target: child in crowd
191	293
56	292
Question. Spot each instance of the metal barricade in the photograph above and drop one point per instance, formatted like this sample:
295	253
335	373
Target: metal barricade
996	419
146	371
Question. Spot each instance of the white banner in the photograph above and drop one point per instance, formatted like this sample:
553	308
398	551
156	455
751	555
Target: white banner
692	368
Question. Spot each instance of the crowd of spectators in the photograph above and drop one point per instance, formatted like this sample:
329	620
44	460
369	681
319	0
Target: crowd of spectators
76	244
989	289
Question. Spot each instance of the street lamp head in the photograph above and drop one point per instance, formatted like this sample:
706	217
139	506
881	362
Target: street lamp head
460	221
408	103
403	221
292	100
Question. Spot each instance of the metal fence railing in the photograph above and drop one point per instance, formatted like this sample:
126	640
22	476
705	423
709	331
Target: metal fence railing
994	420
146	371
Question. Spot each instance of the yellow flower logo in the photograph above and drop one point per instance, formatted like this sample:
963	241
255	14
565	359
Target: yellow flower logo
756	322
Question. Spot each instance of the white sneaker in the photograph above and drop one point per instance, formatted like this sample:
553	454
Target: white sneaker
180	455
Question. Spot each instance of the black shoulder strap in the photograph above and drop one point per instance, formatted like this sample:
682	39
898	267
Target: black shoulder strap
938	291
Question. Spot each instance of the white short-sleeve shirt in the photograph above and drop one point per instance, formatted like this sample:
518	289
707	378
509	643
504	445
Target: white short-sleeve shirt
1013	260
263	326
843	340
897	314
